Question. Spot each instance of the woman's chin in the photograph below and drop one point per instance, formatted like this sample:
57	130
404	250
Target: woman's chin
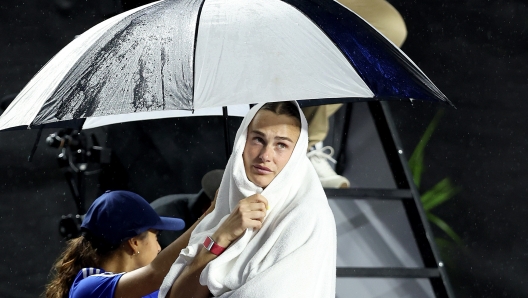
260	181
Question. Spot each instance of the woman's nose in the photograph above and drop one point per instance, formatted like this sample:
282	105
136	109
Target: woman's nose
265	153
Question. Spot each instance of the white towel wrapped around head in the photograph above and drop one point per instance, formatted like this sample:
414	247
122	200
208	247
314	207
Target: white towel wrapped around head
292	255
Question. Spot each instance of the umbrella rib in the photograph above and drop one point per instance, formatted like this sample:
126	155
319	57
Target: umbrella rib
194	51
162	68
330	39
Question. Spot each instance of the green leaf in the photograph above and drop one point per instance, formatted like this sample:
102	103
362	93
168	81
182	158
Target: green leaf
444	227
416	159
416	166
443	244
438	194
442	191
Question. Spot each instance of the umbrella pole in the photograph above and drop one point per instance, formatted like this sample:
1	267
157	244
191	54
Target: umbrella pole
227	137
35	145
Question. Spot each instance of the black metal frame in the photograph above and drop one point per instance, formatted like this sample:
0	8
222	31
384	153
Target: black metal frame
407	192
77	185
389	272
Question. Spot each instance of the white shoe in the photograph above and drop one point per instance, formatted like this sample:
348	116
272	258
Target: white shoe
327	175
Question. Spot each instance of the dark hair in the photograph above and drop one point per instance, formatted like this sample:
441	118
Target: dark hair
78	254
82	252
287	108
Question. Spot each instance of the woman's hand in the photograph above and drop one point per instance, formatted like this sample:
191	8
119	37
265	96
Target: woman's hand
249	213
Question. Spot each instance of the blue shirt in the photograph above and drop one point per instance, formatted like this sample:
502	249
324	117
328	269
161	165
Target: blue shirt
94	282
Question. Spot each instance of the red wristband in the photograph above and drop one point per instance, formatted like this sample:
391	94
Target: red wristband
211	246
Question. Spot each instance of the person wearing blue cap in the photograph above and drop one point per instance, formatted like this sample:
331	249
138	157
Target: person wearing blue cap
118	254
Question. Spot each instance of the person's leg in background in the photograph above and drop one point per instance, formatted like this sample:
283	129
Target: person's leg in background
317	118
387	20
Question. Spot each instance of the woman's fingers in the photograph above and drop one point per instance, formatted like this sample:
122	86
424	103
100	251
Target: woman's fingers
255	202
249	214
254	224
246	207
256	215
258	207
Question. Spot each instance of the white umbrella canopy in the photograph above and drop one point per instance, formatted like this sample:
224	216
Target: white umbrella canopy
193	55
93	122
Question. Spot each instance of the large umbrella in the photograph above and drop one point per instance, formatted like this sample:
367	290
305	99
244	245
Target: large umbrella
199	54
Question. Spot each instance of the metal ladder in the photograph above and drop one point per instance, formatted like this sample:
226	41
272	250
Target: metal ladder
407	193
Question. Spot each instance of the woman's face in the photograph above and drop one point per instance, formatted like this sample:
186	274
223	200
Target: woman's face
148	248
269	145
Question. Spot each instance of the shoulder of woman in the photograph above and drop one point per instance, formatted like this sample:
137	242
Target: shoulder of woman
308	214
312	200
95	285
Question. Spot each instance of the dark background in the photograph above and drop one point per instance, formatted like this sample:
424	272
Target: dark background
474	51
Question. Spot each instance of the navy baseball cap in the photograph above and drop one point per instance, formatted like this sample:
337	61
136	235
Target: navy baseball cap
120	215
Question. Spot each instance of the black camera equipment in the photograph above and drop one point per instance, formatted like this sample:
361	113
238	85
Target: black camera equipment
78	159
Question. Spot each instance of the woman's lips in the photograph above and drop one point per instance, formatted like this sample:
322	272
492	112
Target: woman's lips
261	169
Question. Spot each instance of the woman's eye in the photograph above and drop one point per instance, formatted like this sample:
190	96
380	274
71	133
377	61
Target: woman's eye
258	140
282	145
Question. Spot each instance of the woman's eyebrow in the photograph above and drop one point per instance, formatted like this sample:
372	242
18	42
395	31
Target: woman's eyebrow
283	138
260	133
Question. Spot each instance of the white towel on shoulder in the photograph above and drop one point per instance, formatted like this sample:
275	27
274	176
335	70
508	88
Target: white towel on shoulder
292	255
